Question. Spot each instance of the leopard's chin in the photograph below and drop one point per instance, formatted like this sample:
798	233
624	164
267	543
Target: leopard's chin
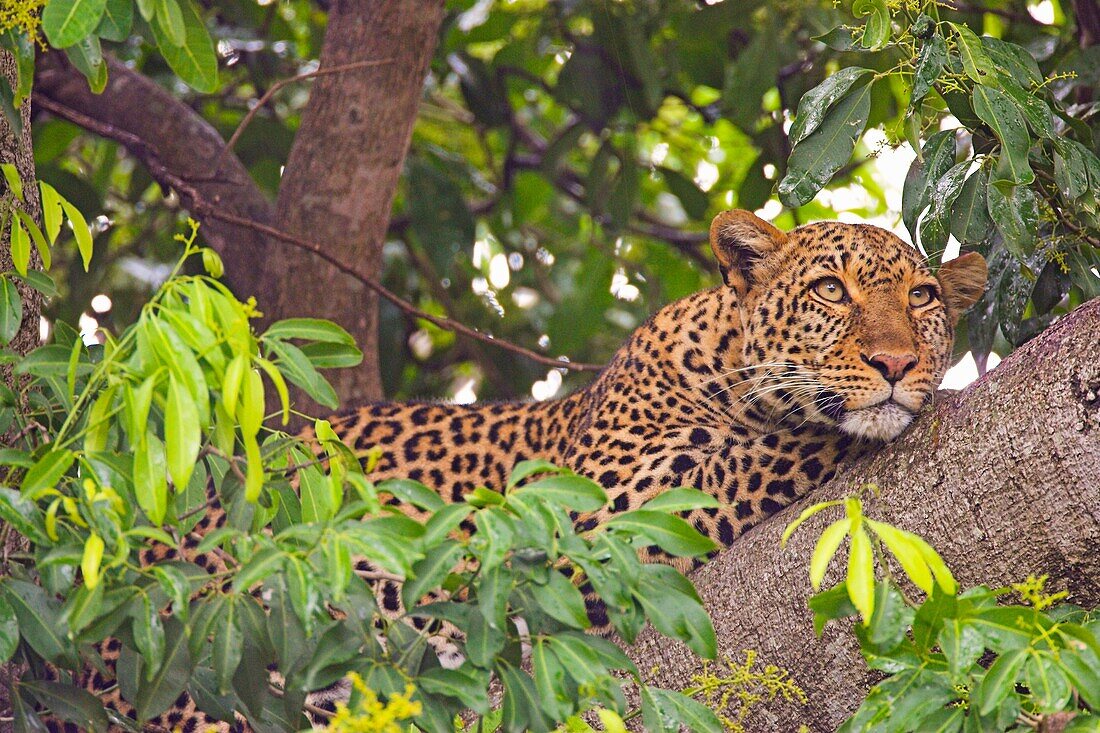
882	422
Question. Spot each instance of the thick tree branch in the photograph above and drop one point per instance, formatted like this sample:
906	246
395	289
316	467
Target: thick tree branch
170	139
1003	479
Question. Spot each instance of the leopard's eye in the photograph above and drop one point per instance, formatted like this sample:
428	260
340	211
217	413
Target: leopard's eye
831	289
921	296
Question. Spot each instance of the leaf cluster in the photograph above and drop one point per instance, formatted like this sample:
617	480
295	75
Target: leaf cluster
956	661
123	450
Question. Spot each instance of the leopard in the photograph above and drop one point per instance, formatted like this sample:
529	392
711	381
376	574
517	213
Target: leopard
820	344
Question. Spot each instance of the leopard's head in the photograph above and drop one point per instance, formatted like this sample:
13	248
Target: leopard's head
843	324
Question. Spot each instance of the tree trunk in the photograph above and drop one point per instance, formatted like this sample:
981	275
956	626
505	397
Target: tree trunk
1003	479
15	147
343	170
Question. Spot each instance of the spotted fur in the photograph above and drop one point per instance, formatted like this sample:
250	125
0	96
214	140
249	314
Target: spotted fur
752	391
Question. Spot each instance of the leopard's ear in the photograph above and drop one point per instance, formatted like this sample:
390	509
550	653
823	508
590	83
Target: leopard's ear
963	280
740	239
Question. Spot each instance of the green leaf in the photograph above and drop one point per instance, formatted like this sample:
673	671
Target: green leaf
861	575
9	631
118	19
933	160
81	231
551	681
526	469
493	588
521	710
443	522
673	607
969	220
483	642
412	492
41	282
297	368
962	644
562	601
22	514
1049	688
827	545
47	471
182	437
495	529
571	492
87	56
39	620
69	703
997	111
470	689
690	714
815	103
976	63
429	572
194	60
1001	679
312	329
228	644
20	247
681	499
671	534
157	693
817	158
1035	110
876	33
11	310
67	21
1016	216
694	200
150	480
169	18
930	62
261	565
1011	58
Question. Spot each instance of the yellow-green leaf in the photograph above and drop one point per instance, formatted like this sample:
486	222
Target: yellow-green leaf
806	514
182	437
20	247
250	414
11	175
976	63
51	210
276	378
80	231
36	235
231	383
254	474
89	563
861	575
939	569
827	545
907	553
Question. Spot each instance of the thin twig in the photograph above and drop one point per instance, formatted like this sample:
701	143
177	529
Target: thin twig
202	207
274	89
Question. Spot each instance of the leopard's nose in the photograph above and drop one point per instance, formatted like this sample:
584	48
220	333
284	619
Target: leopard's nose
892	367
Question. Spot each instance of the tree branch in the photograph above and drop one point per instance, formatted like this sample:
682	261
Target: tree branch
135	111
1000	478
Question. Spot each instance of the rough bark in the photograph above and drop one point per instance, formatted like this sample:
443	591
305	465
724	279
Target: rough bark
171	139
16	148
343	169
1003	479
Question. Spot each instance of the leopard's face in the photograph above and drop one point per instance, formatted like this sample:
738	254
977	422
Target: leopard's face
844	325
